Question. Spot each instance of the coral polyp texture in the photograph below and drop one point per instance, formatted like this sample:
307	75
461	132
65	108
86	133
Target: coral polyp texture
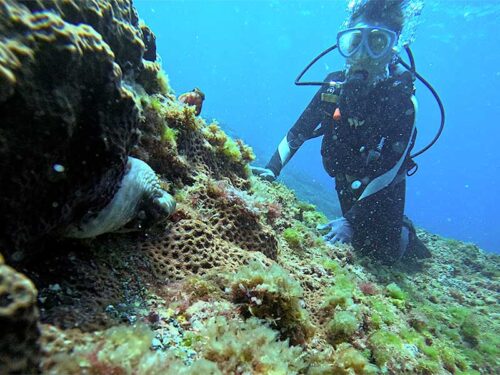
237	280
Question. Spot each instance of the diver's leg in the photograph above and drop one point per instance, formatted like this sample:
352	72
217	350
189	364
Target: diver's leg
411	246
378	231
388	223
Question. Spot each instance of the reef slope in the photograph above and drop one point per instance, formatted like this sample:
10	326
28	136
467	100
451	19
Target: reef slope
237	281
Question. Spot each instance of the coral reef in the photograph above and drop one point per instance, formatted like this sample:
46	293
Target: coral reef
223	347
19	348
139	187
249	347
271	294
236	280
70	74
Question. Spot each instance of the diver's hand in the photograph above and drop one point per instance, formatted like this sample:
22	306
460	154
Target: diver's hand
264	173
339	230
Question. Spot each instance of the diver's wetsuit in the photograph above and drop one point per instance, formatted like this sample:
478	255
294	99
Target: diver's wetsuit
369	147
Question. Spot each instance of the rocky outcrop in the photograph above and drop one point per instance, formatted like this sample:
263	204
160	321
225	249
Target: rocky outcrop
68	112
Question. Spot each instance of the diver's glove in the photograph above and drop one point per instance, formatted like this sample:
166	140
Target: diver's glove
264	173
340	230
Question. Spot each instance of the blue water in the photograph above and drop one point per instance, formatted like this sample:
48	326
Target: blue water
245	56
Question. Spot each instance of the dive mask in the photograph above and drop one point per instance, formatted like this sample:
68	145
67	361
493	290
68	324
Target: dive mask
377	41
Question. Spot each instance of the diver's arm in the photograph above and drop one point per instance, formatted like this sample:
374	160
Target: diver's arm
298	134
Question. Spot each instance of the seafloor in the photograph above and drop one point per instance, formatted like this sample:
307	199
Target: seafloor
237	280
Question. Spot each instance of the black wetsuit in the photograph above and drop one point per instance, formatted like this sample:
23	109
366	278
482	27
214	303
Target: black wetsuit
371	139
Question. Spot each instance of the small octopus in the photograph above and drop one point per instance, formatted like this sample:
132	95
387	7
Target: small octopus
195	98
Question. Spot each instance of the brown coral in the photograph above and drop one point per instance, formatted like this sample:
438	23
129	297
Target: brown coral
116	21
68	122
191	247
180	146
19	350
93	288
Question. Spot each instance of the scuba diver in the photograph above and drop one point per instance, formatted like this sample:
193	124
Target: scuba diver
367	114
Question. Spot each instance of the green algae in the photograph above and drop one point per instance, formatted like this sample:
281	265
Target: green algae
120	350
470	330
156	104
248	348
331	265
169	136
343	325
345	360
340	294
234	151
162	82
270	293
299	237
314	218
385	345
223	346
381	311
294	238
394	291
231	150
